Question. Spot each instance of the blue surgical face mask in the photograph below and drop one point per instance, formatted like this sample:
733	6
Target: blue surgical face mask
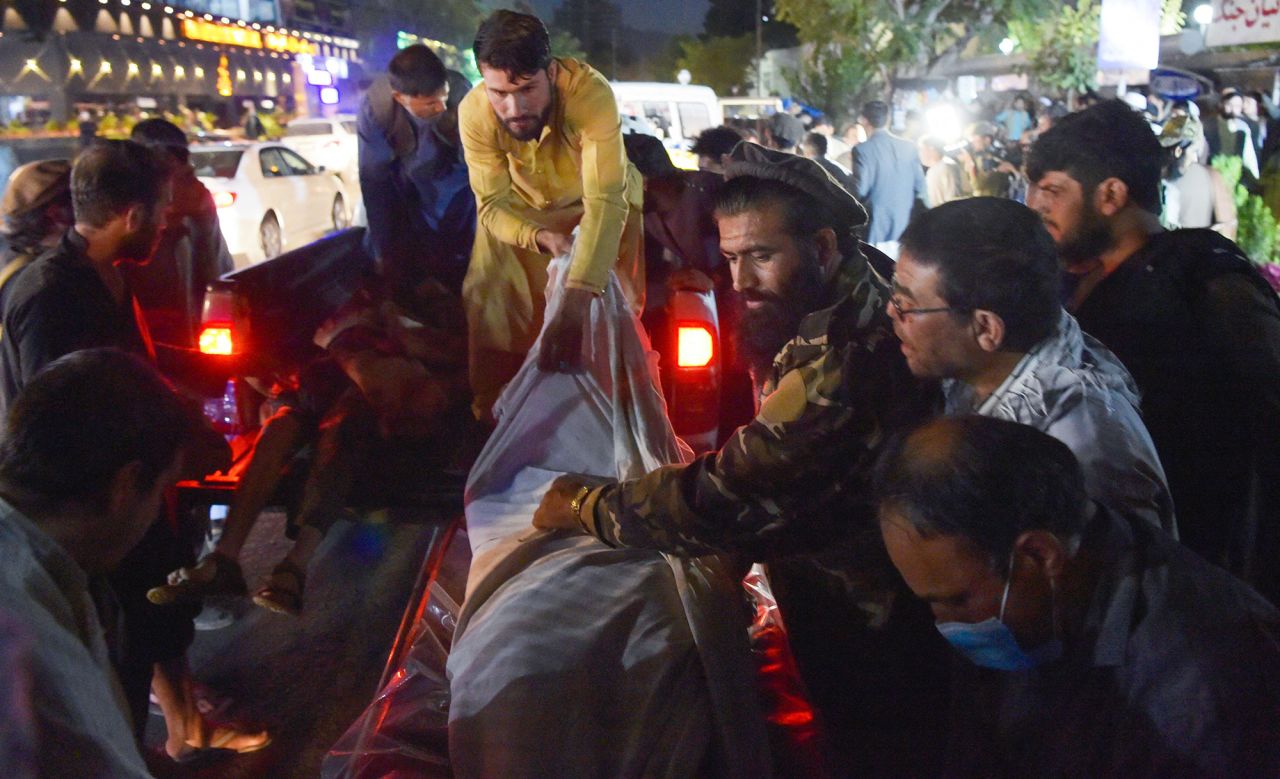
991	644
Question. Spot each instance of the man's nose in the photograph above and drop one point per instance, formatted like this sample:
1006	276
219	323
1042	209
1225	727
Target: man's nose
744	277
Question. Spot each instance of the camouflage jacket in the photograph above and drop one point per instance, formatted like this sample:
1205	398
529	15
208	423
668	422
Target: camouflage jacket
796	479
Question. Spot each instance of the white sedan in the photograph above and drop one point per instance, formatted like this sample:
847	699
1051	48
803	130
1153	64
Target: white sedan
329	141
269	198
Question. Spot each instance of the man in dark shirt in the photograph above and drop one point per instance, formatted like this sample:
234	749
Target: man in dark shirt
191	251
1191	319
1095	645
814	147
76	297
422	215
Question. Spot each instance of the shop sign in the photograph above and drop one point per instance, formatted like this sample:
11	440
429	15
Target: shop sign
234	35
1244	21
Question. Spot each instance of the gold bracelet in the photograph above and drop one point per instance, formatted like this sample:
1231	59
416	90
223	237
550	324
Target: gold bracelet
576	506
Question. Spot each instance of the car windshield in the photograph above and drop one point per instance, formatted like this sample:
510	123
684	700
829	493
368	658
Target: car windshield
220	164
308	128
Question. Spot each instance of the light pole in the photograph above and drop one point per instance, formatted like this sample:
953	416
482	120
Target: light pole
759	48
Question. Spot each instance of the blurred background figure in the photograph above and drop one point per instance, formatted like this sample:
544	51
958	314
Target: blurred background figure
945	180
35	213
1195	195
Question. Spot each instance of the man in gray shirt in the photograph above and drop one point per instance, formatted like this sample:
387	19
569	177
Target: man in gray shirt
92	444
888	176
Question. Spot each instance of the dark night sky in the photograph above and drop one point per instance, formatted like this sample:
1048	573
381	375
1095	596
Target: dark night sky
678	17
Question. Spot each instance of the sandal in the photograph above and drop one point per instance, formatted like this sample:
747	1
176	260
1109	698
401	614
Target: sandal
216	574
282	592
222	740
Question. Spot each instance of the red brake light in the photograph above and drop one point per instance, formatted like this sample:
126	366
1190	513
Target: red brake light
224	199
695	346
216	339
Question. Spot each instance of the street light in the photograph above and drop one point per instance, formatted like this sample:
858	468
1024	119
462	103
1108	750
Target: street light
1203	14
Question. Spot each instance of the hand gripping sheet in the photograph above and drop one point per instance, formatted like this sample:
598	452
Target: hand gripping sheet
571	658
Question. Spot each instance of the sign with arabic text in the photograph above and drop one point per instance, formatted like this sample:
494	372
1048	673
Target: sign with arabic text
1244	21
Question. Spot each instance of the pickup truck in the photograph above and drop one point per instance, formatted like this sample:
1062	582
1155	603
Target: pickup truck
261	320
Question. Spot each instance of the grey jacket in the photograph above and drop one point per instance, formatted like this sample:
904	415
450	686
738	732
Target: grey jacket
1071	387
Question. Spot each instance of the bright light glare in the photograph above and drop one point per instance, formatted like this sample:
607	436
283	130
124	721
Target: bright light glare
1007	45
944	123
224	199
694	346
216	339
1203	14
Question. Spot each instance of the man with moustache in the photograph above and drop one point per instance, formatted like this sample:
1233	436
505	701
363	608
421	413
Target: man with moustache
1191	319
544	150
792	486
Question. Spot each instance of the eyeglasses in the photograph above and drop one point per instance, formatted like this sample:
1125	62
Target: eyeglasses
903	313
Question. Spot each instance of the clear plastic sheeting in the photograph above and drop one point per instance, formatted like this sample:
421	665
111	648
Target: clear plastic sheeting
404	732
572	658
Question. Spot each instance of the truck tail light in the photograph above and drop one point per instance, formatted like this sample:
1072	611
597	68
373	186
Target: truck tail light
695	346
216	338
224	199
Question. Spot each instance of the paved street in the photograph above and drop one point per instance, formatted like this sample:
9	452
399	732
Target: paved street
307	678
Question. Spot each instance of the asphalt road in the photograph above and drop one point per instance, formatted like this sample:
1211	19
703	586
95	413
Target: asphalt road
306	678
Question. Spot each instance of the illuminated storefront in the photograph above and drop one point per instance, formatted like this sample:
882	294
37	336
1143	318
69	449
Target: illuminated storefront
63	53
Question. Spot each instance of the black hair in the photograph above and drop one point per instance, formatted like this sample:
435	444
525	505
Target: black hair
992	254
648	155
86	416
984	479
1108	140
513	42
816	143
416	71
803	214
876	112
715	142
110	177
158	132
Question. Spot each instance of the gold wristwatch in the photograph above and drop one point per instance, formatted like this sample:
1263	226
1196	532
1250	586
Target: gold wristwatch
576	506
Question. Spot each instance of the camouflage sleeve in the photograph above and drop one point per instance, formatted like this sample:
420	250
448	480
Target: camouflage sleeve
744	496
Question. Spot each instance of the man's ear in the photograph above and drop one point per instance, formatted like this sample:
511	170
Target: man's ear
828	251
1111	197
135	217
1043	550
122	493
553	70
988	330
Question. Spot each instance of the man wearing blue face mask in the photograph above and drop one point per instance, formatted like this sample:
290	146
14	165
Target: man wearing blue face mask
1098	646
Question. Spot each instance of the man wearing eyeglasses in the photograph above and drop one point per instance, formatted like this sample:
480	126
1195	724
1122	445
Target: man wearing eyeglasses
975	303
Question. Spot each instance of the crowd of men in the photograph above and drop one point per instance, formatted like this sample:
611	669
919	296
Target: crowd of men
1013	466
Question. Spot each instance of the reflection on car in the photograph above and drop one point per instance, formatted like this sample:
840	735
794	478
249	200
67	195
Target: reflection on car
270	199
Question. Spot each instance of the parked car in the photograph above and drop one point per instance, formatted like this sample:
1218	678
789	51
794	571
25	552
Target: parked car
270	199
328	141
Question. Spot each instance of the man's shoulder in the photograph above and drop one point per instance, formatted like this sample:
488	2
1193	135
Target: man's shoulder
52	277
1191	259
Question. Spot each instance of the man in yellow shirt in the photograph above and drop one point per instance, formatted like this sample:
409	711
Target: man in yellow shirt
544	149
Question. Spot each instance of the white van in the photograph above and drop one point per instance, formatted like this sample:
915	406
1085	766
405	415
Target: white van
676	112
